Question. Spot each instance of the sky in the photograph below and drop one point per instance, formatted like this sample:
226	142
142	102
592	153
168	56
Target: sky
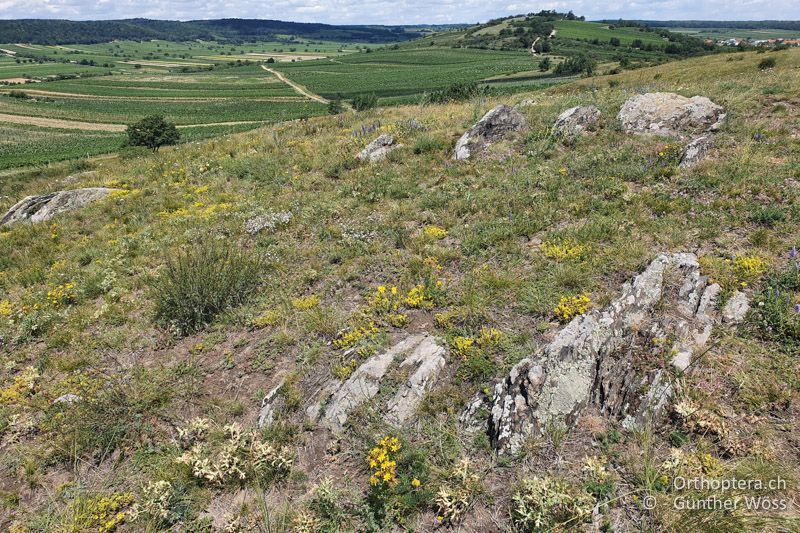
396	11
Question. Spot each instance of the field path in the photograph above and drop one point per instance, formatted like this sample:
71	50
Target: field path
57	123
299	88
98	126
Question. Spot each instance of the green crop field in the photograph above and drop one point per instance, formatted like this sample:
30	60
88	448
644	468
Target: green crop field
179	112
250	81
576	29
730	33
404	72
27	145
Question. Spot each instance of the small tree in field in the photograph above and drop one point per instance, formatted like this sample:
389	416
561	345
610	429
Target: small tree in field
544	64
154	132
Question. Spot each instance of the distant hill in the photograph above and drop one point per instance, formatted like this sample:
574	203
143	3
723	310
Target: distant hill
567	34
733	24
52	32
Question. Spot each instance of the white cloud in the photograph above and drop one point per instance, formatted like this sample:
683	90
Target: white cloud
396	12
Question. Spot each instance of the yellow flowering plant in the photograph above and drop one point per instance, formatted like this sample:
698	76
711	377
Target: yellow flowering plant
571	306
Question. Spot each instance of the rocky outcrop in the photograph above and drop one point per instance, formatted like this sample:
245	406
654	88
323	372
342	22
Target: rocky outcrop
270	405
669	114
576	120
697	150
425	362
424	357
379	149
45	207
608	359
494	125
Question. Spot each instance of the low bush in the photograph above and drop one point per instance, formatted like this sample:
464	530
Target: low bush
766	63
365	102
200	283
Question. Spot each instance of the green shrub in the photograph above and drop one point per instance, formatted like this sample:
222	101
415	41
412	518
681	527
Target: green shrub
426	143
365	102
766	63
457	92
200	283
579	64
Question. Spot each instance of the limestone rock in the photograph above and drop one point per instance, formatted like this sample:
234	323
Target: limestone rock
269	405
427	361
378	149
526	102
669	114
736	308
494	125
697	150
45	207
67	399
594	359
339	400
575	120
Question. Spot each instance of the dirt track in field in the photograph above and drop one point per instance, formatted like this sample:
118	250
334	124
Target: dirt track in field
299	88
58	123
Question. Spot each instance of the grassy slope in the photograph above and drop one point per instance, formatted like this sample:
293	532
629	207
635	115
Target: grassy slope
357	227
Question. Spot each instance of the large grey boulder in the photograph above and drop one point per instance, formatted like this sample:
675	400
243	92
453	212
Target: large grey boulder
379	149
576	120
669	114
599	358
422	356
45	207
494	125
697	150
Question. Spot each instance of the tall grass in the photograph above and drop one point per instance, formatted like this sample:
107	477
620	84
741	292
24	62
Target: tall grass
201	282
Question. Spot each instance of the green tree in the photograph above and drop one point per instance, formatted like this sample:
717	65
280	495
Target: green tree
364	102
154	132
544	64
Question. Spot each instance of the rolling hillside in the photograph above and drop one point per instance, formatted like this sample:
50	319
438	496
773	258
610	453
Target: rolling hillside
54	32
162	349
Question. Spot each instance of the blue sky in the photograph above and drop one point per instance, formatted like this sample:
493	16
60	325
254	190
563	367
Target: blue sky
396	11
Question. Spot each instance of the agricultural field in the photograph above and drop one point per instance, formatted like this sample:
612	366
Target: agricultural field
390	73
22	145
730	33
576	29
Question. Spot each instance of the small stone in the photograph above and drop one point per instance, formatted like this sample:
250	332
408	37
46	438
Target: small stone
379	149
576	120
736	308
697	150
68	399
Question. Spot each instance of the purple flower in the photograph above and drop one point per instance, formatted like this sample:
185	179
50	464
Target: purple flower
793	252
797	308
